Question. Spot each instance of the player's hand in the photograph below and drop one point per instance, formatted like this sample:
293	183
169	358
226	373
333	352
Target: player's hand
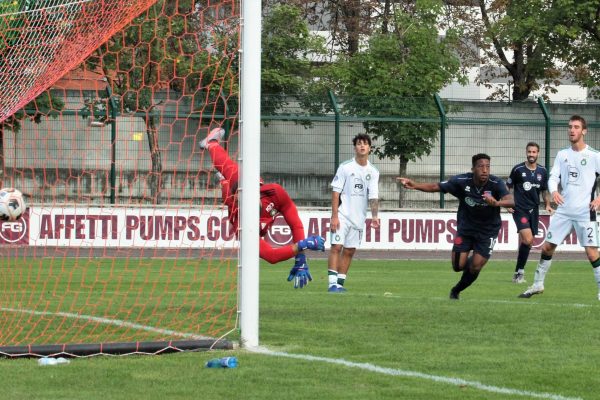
312	243
490	200
510	210
334	223
300	273
557	198
405	182
375	222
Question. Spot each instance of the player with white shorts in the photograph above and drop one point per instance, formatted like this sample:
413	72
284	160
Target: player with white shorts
354	189
575	169
347	234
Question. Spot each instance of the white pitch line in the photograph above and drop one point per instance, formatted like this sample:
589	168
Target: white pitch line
108	321
476	300
414	374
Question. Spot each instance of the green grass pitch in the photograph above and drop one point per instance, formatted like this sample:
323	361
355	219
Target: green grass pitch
394	335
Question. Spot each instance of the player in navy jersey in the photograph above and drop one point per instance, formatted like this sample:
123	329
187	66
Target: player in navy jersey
274	201
480	197
528	180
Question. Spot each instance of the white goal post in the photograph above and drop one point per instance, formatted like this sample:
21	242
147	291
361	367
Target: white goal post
250	172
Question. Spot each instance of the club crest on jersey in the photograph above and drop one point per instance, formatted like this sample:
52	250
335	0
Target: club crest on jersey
539	177
468	188
368	177
488	192
271	210
583	162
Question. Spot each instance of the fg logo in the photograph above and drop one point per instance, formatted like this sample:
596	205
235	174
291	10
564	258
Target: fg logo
539	238
279	234
13	231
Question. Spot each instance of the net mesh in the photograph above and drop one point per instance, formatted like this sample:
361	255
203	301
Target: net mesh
125	238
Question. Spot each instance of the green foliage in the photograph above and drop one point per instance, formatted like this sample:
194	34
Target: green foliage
397	74
515	41
176	46
577	42
46	104
287	47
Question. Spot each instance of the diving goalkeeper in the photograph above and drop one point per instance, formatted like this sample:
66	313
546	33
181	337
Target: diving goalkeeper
274	201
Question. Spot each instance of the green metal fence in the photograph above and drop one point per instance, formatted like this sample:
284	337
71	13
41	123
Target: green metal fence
65	160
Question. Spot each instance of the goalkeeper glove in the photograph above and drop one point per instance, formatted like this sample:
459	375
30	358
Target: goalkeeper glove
299	272
312	243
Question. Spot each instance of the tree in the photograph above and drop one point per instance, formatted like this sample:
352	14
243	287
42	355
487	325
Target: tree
510	40
287	50
46	104
393	74
578	41
181	47
346	21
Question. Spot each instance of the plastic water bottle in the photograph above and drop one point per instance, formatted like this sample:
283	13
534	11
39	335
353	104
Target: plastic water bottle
47	361
225	362
52	361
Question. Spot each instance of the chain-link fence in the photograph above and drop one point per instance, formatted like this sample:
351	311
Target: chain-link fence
68	160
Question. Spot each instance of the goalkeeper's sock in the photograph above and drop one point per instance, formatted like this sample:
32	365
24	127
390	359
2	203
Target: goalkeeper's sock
341	278
332	276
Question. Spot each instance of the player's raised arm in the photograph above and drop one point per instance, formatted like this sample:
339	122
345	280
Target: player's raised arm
423	187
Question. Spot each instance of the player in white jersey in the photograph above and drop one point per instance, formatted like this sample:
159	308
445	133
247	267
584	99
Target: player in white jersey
354	188
575	169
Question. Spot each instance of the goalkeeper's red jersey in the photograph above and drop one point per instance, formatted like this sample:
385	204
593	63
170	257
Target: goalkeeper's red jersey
274	201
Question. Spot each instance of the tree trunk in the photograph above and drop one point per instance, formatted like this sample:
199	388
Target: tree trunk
351	11
402	172
155	177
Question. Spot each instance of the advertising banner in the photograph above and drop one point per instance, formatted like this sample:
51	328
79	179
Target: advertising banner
209	228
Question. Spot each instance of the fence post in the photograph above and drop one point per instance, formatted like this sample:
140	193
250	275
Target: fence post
548	124
336	110
442	112
113	146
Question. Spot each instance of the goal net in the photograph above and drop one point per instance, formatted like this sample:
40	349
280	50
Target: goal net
125	246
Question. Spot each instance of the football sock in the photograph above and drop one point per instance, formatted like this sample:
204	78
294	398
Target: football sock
332	276
595	265
522	257
467	278
341	278
541	270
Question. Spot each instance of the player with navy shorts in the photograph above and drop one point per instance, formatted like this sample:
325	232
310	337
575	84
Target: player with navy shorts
528	180
480	196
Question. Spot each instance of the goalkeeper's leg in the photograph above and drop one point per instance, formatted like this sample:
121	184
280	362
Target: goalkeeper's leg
275	255
224	164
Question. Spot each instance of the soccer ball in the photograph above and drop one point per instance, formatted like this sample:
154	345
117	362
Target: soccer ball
12	204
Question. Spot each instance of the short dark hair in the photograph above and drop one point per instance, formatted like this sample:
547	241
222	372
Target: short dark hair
534	144
361	136
580	119
477	157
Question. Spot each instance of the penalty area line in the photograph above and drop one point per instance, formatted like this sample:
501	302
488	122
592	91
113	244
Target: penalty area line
414	374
